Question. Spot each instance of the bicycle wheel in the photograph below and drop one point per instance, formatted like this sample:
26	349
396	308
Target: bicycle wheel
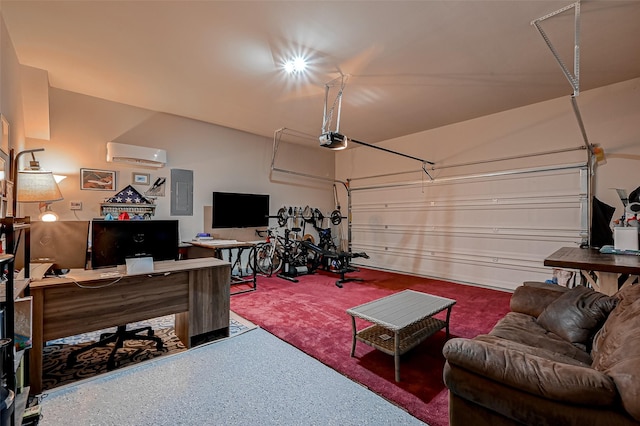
267	259
263	258
278	254
276	262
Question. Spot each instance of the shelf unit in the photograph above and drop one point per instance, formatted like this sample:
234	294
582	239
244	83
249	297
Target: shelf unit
145	210
12	359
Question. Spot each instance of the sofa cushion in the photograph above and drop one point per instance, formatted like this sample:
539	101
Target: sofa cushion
532	297
577	314
538	376
522	328
611	342
531	350
616	348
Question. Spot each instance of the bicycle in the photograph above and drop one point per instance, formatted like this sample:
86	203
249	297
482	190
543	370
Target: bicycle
277	253
268	255
297	258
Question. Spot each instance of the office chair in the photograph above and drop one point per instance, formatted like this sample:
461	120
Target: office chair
118	338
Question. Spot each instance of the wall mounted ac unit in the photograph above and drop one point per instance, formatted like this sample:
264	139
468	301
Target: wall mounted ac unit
138	155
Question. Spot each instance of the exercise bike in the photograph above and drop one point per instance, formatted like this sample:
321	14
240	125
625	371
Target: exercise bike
295	257
330	259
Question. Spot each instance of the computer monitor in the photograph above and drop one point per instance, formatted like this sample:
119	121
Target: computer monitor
63	243
113	241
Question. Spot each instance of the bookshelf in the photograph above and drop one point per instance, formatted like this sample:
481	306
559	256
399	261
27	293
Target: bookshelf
17	315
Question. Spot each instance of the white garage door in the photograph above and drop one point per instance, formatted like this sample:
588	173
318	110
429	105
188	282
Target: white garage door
493	230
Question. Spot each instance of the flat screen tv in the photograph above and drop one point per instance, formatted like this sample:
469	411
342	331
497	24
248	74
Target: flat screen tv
236	210
113	241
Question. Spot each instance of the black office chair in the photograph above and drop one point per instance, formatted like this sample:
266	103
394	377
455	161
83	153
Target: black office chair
118	338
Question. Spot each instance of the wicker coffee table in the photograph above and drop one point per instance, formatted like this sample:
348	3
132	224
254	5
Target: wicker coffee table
400	322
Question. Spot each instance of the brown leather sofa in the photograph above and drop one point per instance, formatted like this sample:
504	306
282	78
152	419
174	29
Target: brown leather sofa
560	357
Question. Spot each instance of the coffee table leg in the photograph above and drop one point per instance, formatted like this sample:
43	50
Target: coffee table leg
396	355
353	344
448	316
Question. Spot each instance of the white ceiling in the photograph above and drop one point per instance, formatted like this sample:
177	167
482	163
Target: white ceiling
410	66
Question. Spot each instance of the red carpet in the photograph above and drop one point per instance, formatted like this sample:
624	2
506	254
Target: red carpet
310	315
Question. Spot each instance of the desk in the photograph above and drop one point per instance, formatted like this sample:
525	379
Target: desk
196	291
216	248
606	267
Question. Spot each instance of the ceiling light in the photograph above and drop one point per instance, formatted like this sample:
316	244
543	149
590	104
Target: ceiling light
295	65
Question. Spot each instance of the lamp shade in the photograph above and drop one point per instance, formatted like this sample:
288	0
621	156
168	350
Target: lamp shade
37	186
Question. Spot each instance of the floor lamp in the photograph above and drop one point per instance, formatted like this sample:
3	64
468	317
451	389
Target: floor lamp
33	185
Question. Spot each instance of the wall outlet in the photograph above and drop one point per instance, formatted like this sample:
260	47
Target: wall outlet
75	205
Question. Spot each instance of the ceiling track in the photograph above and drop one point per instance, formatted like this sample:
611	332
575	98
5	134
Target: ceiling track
474	176
327	115
327	118
277	137
573	78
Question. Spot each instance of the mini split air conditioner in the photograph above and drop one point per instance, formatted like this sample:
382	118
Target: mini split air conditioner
138	155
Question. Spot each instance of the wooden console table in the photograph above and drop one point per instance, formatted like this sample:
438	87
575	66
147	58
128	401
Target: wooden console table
217	248
196	291
606	267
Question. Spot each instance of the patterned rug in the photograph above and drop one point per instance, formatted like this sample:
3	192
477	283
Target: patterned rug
94	362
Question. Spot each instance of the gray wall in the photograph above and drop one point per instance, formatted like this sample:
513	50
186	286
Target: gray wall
221	159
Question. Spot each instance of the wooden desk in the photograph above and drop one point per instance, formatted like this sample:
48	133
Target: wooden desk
606	267
197	291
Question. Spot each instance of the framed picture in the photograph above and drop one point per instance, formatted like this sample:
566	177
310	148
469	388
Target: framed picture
98	180
140	178
4	143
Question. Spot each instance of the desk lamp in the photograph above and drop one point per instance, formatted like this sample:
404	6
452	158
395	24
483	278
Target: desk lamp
34	185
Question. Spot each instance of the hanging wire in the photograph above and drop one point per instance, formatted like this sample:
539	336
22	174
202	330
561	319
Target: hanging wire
328	114
336	200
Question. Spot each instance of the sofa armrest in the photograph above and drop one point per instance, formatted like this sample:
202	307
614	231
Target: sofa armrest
538	376
532	299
